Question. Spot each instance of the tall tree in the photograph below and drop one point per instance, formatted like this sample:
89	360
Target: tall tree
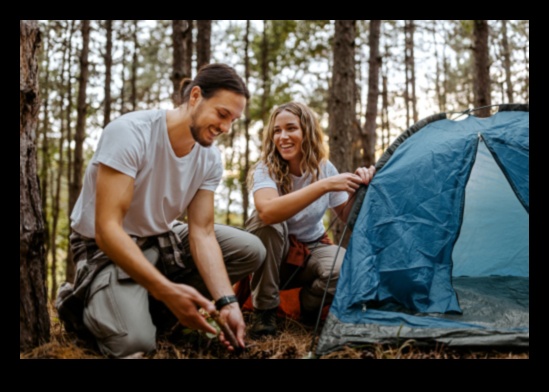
409	66
80	132
34	323
341	106
135	61
438	87
506	61
368	134
203	42
64	128
124	37
189	49
108	70
481	74
45	166
178	73
244	171
265	78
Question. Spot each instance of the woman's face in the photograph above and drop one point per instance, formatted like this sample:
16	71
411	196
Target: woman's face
288	137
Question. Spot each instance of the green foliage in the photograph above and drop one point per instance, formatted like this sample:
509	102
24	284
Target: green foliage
299	58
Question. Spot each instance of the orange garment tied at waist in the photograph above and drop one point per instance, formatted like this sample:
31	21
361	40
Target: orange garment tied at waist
299	251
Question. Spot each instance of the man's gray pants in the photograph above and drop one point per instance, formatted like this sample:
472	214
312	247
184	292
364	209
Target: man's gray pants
117	309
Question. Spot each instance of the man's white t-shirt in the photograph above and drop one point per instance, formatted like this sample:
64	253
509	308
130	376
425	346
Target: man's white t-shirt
307	224
137	144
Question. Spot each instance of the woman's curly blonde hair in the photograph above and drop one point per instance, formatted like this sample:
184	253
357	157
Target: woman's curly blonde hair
313	148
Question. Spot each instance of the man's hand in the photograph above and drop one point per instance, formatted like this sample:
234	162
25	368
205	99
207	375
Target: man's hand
232	317
184	302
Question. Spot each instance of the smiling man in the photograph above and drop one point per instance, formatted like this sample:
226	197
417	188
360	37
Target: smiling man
137	265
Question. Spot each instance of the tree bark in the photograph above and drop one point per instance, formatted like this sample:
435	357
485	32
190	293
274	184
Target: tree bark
341	106
45	167
178	27
69	265
135	61
108	70
189	49
409	69
264	61
80	132
506	61
244	171
203	42
34	323
481	79
368	134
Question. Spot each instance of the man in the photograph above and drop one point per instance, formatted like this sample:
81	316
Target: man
151	166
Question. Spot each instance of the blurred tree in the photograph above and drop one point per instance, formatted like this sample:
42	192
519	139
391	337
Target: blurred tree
108	71
368	133
343	125
203	42
481	72
80	132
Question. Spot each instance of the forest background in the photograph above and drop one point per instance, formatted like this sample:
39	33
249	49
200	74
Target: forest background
368	80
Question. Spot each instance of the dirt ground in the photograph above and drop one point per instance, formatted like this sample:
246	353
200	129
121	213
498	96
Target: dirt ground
294	341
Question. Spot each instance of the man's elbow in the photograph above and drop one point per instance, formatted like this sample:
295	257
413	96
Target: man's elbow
101	233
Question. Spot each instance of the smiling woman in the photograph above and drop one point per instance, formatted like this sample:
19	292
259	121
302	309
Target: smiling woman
293	186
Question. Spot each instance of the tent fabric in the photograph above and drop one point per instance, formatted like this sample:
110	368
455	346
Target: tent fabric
442	227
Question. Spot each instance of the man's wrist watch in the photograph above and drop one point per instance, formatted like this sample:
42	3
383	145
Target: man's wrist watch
225	300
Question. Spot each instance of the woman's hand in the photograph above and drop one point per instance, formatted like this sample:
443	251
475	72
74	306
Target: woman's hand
347	182
366	174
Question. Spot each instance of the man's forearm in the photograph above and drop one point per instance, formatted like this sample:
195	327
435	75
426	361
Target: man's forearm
208	259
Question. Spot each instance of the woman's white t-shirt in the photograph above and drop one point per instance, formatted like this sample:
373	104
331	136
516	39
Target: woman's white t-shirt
307	224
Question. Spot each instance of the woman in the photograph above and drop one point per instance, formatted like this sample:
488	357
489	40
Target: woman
293	185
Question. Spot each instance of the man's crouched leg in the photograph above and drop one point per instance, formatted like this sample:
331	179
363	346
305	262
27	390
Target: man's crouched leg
117	313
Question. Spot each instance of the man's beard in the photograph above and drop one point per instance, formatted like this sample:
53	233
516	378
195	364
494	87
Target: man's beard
195	131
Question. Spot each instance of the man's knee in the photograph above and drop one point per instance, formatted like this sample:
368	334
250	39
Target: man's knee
254	251
117	314
135	341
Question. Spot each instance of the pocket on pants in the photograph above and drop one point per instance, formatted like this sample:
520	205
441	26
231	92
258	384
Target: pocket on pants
102	316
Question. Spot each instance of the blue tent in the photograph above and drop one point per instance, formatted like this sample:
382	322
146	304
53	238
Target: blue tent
440	244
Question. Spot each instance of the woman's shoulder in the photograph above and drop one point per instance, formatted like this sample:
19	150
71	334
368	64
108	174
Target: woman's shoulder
327	168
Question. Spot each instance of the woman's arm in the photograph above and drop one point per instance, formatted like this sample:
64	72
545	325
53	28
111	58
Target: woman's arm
366	174
273	208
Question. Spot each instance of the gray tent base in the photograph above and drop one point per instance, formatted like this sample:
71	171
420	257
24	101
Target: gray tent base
495	313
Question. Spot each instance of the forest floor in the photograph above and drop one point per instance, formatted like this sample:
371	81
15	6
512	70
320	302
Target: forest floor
293	341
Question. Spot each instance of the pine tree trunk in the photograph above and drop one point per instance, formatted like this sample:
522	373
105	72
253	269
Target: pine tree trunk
438	89
409	69
203	42
189	49
123	108
385	137
69	265
368	134
244	171
506	61
135	61
341	106
34	323
45	167
80	133
178	50
264	61
108	70
481	79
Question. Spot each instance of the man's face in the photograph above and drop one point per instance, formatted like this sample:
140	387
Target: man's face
213	116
